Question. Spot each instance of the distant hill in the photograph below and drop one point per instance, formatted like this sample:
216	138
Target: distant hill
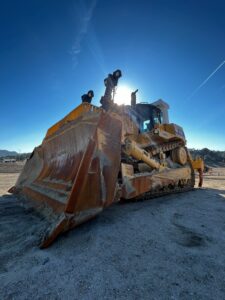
4	153
13	154
211	158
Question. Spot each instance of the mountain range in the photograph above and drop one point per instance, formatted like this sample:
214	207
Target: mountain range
4	153
211	157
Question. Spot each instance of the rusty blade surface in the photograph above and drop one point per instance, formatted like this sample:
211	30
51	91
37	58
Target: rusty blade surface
72	176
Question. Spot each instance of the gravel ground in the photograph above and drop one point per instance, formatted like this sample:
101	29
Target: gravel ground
12	167
167	248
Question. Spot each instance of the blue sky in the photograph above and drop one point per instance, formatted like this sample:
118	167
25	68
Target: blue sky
52	52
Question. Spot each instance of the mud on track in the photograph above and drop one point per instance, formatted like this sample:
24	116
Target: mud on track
166	248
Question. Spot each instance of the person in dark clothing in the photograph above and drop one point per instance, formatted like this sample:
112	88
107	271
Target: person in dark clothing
87	97
110	84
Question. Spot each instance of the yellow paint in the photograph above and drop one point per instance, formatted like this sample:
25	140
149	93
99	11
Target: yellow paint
74	114
168	131
132	149
166	127
197	163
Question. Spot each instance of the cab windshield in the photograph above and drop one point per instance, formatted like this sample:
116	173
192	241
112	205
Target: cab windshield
147	124
146	116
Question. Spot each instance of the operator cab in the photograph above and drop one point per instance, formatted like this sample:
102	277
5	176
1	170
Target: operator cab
147	116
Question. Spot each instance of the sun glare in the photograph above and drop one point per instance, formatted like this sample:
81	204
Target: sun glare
123	95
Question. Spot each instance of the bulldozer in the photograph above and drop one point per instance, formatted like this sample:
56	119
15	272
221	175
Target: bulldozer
97	156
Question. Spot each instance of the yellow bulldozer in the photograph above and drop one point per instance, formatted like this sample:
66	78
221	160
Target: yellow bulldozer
96	156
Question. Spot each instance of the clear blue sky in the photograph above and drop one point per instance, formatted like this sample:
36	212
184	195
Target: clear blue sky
54	51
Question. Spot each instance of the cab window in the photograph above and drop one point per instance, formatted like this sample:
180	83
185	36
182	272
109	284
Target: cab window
157	117
146	125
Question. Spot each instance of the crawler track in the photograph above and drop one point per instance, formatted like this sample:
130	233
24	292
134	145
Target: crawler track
172	189
168	190
153	149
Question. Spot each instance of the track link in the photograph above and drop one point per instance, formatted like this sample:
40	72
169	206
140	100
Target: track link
168	191
163	147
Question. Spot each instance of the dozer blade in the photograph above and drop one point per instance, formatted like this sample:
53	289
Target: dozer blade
72	176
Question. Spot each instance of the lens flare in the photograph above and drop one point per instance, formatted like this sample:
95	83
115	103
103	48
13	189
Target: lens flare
123	95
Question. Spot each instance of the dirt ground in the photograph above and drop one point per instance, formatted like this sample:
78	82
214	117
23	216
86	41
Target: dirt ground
166	248
11	167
